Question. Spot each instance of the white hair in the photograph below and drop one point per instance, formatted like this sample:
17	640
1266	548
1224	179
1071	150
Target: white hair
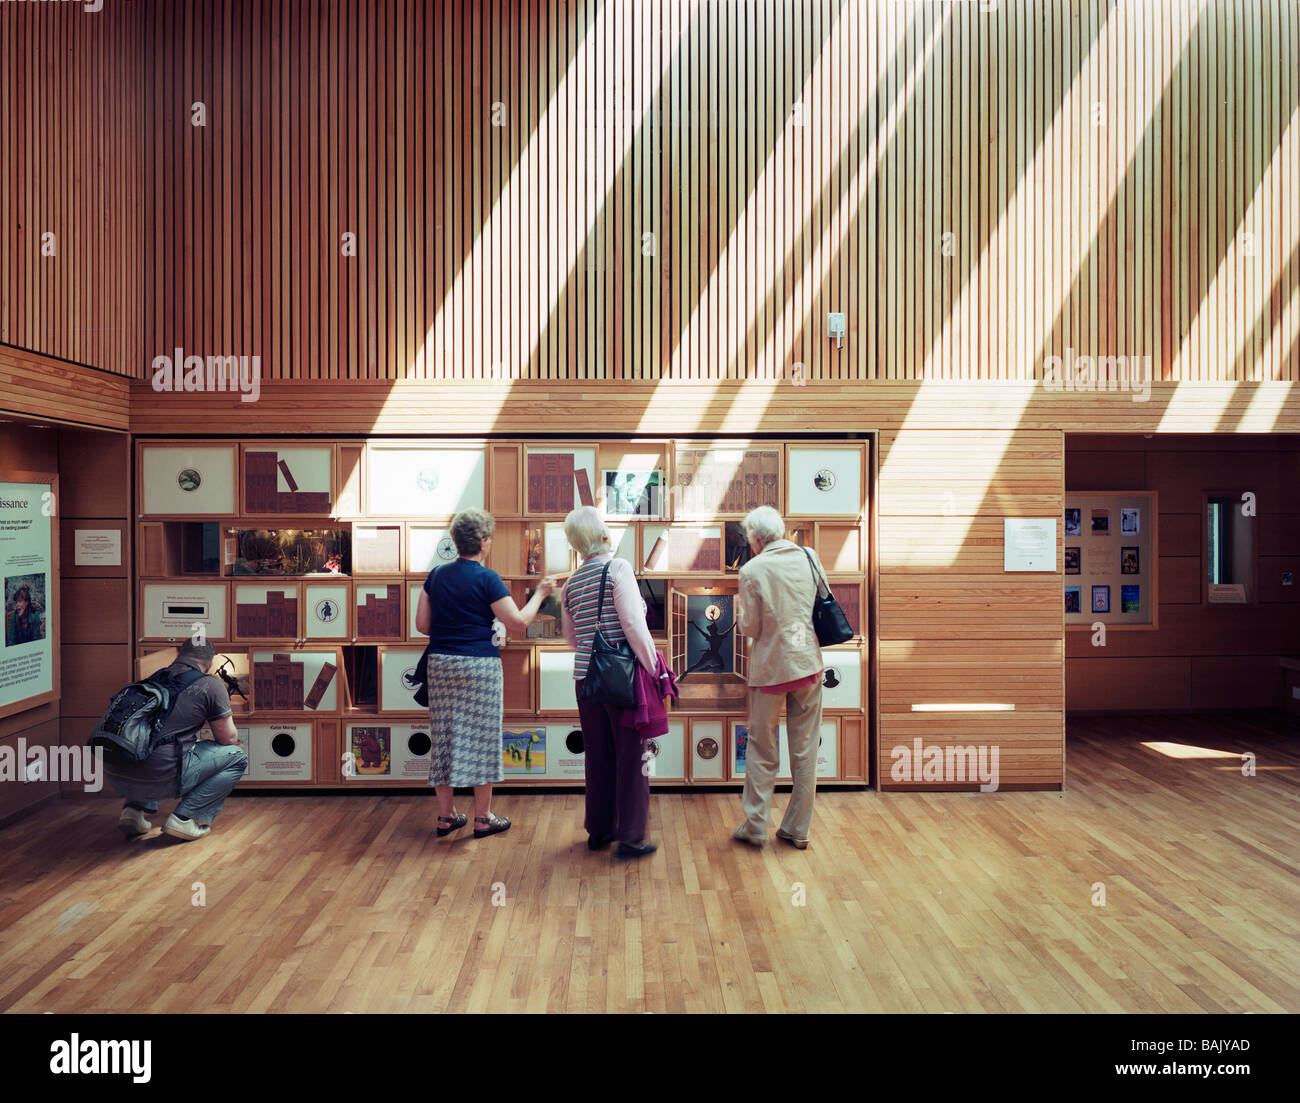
586	532
763	524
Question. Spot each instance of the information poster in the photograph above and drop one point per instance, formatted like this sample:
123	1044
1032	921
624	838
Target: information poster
28	573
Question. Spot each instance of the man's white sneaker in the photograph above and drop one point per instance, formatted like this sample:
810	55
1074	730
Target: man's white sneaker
132	823
184	829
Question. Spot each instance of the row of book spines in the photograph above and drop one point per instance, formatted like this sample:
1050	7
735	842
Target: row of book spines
277	618
262	493
381	616
551	480
278	684
746	491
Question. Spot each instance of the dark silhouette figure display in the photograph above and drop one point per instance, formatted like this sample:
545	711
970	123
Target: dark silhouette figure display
712	658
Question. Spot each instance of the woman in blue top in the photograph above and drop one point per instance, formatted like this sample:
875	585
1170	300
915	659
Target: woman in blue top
456	610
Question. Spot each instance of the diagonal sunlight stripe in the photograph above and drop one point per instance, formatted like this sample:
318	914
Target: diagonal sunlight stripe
566	112
1235	297
747	270
1036	191
736	293
813	273
1040	190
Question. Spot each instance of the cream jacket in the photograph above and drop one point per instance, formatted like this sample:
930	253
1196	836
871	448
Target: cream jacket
774	608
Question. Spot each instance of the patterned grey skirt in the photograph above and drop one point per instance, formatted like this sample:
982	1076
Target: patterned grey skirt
465	693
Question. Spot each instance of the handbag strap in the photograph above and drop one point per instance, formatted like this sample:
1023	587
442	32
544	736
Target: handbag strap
600	606
817	581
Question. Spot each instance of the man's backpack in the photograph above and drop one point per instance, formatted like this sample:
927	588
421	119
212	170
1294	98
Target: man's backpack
129	731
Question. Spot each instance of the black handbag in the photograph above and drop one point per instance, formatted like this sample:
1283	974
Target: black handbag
829	621
421	675
611	670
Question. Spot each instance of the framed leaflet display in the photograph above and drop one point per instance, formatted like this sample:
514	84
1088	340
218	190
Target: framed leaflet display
411	480
1111	559
189	479
177	609
29	570
824	480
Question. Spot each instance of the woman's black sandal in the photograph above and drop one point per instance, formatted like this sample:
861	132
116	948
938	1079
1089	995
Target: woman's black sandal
457	822
496	824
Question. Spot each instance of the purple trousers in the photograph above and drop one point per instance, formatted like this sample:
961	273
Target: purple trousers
618	782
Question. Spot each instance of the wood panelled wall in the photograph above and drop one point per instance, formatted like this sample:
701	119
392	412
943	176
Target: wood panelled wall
954	629
1201	656
71	197
604	189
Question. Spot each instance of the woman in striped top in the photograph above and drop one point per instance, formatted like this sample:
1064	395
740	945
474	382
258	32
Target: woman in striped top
618	788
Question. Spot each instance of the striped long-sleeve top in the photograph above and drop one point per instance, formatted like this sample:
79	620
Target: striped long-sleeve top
623	618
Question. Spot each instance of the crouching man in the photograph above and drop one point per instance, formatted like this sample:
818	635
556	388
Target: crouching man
201	774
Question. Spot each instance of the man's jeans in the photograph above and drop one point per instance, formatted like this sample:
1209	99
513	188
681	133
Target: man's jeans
210	772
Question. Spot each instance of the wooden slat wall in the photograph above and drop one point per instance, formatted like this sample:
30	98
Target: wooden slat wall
974	189
954	629
34	386
71	106
1200	656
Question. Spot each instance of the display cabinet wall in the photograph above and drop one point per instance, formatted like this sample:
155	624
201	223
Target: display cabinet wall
303	561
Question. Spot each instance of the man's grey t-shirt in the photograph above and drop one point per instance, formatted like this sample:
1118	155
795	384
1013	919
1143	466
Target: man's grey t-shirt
204	701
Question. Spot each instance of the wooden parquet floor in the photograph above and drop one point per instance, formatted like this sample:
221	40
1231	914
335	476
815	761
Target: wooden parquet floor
910	902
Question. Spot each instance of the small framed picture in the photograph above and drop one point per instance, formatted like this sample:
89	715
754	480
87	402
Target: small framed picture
1072	599
1128	522
1073	522
1101	599
1101	522
1130	561
1072	561
1130	599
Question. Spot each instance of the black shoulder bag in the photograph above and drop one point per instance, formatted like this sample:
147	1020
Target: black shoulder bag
421	675
611	670
829	621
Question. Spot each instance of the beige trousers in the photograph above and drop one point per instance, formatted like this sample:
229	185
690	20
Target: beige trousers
803	726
